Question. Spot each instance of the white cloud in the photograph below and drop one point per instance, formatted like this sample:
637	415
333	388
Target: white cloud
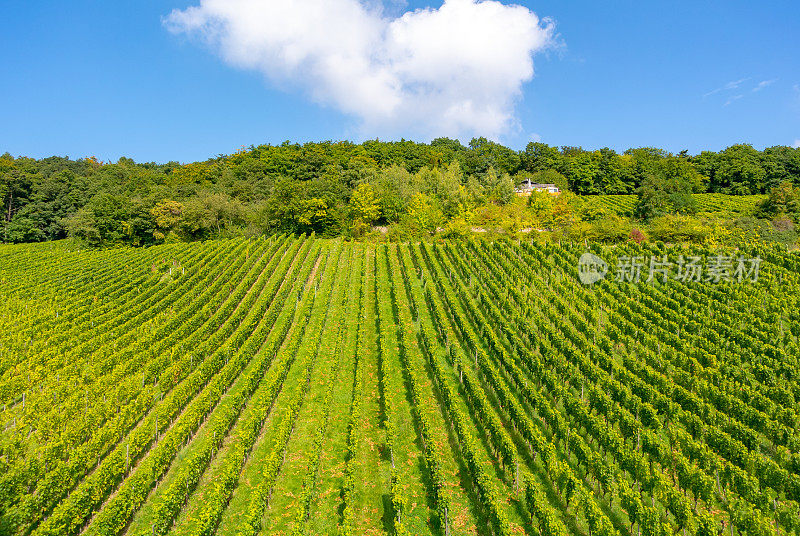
734	84
796	143
733	99
453	71
764	83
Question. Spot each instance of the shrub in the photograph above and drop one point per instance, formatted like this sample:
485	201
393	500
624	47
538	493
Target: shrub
610	229
637	235
677	228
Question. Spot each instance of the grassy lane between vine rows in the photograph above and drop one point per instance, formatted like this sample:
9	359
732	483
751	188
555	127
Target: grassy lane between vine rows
372	505
325	508
276	463
252	475
456	506
223	365
503	478
305	461
406	456
161	507
288	508
205	506
217	329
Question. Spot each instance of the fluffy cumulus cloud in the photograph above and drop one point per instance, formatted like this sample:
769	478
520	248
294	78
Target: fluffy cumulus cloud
796	143
453	71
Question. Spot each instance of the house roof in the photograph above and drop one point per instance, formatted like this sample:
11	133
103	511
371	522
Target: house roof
536	185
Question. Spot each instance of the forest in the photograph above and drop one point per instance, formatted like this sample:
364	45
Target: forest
406	189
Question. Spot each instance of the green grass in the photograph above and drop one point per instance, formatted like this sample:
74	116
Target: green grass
326	505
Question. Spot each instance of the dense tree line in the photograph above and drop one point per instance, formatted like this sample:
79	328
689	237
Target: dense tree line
338	188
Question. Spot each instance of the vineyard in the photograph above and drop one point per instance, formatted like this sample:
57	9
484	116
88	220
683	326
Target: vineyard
729	205
286	385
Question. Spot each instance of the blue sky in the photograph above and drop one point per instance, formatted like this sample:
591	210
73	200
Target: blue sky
110	79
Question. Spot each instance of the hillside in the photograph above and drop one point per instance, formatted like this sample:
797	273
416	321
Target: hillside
721	205
285	385
342	189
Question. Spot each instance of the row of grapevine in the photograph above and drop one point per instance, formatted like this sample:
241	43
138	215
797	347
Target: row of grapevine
308	386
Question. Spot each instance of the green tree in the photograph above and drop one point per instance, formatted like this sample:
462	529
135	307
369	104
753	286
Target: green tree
583	172
739	171
210	214
110	215
541	157
387	187
82	225
500	187
616	175
484	154
449	190
661	194
24	228
643	163
783	200
364	204
167	216
423	216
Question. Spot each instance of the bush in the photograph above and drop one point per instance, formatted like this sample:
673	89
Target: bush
637	235
609	229
781	230
782	224
396	232
783	200
456	228
677	228
359	228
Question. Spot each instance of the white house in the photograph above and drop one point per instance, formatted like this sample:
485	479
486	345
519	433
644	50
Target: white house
527	187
